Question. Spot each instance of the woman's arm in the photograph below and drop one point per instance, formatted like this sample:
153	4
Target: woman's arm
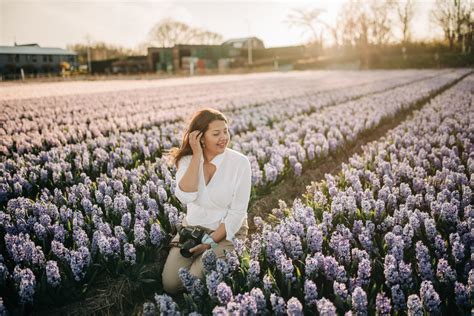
189	181
219	234
187	175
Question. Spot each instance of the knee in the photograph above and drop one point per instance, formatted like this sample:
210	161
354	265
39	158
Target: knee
169	277
197	270
171	283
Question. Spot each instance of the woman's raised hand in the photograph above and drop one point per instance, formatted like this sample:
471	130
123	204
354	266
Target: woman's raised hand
195	141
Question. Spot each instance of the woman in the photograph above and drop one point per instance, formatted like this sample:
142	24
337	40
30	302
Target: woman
214	182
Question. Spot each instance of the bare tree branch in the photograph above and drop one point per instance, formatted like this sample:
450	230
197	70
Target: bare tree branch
406	12
453	17
168	33
307	20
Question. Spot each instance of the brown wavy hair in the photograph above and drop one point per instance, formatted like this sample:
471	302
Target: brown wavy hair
199	121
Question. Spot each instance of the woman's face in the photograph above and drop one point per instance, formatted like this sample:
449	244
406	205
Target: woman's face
216	138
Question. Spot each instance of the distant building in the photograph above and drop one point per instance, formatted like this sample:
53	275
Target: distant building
34	60
123	65
180	57
131	65
245	42
238	47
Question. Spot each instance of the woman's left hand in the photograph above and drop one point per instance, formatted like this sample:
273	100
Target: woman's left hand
197	250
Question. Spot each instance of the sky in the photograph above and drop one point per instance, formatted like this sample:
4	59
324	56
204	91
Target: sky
57	23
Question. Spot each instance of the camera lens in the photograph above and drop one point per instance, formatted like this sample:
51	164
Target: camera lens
185	253
185	248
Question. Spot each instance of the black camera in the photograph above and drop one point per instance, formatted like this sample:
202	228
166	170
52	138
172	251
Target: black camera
189	237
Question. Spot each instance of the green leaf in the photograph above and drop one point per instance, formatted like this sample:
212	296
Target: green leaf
298	272
147	280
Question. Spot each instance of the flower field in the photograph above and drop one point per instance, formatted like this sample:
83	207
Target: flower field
85	191
45	122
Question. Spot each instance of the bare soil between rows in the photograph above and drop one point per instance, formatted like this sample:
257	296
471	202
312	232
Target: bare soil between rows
291	188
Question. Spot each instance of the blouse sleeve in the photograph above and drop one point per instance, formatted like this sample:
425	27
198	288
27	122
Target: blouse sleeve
184	197
238	208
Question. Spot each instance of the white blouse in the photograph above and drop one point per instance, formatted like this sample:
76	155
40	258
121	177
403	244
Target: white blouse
224	199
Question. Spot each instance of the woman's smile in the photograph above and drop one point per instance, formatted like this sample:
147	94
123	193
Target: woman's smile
217	136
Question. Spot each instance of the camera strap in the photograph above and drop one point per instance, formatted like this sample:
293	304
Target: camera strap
176	243
206	230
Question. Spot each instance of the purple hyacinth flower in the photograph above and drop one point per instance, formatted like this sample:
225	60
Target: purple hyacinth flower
326	307
414	306
166	305
429	297
224	293
382	304
278	304
310	292
359	301
26	282
209	260
52	273
294	307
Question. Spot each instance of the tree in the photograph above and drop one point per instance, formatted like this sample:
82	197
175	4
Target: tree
335	31
352	22
168	33
208	38
366	23
405	13
308	21
453	16
380	21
